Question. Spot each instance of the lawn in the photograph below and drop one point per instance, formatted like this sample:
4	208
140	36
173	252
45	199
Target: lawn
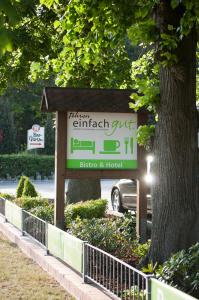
21	278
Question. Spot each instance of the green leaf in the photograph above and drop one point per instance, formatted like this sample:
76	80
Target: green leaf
56	24
144	134
9	10
170	27
5	41
175	3
47	3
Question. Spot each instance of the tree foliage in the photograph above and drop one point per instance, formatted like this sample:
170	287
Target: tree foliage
49	136
86	54
94	32
27	30
7	128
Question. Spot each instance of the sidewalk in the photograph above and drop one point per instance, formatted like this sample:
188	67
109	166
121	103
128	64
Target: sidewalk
67	278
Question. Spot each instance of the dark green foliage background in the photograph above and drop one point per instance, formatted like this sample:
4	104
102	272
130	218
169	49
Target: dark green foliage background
8	144
29	165
20	109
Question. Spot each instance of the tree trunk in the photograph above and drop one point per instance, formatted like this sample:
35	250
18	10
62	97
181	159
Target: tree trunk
175	194
83	189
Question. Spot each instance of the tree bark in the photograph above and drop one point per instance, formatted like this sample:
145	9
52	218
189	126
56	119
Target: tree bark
175	193
83	189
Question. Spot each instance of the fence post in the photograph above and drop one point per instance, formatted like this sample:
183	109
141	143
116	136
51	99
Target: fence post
148	287
85	263
22	223
5	219
46	237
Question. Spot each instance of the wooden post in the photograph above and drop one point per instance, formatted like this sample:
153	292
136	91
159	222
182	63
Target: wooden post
60	167
142	189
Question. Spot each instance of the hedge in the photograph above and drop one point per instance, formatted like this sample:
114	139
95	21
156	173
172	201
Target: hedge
15	165
7	196
29	203
85	210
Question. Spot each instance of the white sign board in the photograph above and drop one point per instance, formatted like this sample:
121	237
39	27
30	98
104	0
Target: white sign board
101	140
35	138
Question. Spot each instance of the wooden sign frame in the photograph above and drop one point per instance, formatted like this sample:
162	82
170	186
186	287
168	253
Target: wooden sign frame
62	100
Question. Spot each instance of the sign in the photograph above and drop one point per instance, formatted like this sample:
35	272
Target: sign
96	145
35	137
101	140
162	291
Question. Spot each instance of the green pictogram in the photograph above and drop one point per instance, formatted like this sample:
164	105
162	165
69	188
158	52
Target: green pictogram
131	145
82	145
128	142
110	147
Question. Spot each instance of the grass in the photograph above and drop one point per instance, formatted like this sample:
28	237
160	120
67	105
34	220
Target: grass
21	278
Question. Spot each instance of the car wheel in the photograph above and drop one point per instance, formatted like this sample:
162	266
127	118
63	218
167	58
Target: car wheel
116	201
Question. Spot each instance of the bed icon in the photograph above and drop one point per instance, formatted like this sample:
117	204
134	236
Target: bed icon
82	145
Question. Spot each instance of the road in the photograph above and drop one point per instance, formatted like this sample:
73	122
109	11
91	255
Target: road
46	187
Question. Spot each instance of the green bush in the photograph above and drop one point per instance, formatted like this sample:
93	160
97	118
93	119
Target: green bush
45	213
29	189
141	250
114	235
20	186
182	271
7	196
28	203
85	210
38	206
30	165
134	293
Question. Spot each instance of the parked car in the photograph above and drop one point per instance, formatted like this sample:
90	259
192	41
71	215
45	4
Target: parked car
123	196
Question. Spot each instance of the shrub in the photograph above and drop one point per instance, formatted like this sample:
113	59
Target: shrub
85	210
29	189
134	293
29	164
7	196
114	235
45	213
141	250
39	207
20	186
181	271
28	203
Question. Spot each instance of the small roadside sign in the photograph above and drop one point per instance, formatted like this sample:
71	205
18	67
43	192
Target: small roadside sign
35	137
